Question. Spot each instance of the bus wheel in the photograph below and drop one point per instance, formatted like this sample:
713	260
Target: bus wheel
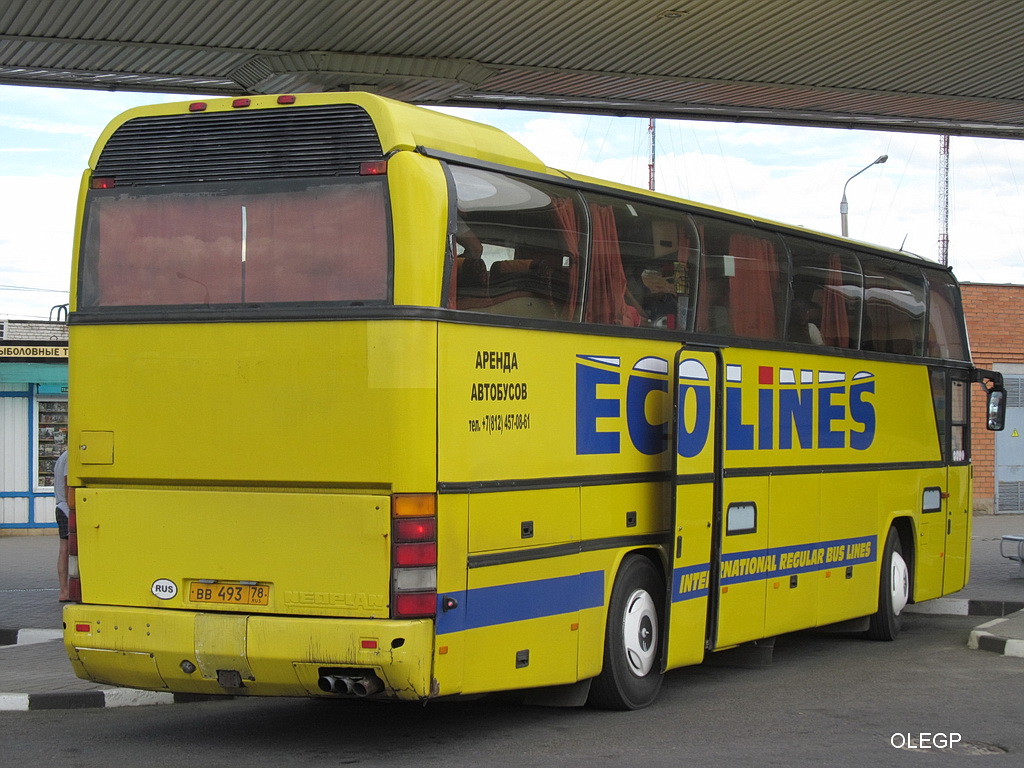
631	677
893	591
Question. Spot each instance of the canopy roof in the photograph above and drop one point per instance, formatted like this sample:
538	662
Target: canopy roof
915	65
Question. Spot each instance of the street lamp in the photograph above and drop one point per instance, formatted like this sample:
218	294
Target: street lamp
844	207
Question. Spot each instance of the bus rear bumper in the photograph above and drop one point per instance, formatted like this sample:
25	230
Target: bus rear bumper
251	655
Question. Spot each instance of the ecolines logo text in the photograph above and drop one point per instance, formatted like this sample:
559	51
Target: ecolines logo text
766	408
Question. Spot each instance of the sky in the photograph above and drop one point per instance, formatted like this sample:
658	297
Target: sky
789	174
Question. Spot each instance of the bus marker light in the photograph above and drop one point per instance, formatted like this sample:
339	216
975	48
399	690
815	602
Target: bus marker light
373	168
413	505
442	650
83	628
370	645
241	103
102	182
286	99
197	106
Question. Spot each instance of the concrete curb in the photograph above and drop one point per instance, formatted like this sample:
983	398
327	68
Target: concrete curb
987	637
29	636
108	698
951	606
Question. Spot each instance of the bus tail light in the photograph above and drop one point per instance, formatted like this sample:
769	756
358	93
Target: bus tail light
413	555
373	168
74	577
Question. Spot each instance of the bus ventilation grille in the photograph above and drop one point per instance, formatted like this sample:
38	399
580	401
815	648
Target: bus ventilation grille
293	142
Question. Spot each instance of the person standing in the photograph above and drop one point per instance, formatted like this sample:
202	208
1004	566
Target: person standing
60	495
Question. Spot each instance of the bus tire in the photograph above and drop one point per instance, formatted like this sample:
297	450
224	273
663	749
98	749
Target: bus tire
631	676
893	591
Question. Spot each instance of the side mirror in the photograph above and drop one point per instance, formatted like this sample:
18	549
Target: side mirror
996	418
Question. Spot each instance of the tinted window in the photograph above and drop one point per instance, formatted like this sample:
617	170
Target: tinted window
825	306
643	263
241	243
743	281
518	246
894	307
946	335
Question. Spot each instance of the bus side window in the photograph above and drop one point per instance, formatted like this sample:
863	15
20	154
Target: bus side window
518	246
743	280
826	298
894	307
946	336
642	265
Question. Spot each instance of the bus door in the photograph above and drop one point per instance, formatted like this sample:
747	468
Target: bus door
740	552
958	488
944	535
695	468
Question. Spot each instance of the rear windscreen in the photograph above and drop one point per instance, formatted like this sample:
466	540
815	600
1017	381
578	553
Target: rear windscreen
237	243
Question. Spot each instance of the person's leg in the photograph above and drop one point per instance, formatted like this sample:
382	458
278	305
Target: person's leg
62	569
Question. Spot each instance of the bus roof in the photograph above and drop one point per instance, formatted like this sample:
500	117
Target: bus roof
403	126
400	126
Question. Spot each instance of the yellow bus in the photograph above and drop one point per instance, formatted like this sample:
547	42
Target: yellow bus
367	401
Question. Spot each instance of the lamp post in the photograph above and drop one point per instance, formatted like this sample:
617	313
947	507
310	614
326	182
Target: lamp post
844	207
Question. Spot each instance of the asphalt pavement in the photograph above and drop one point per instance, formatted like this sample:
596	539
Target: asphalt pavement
35	672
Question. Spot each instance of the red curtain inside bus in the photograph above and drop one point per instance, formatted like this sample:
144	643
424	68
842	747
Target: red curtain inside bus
835	323
753	287
565	213
606	302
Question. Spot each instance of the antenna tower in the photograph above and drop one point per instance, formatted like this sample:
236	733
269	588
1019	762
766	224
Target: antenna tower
944	200
650	165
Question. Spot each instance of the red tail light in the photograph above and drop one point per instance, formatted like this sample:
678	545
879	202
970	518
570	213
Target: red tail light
415	604
373	168
416	529
413	555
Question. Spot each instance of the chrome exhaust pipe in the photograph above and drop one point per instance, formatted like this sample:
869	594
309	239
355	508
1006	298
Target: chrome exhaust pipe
366	686
335	684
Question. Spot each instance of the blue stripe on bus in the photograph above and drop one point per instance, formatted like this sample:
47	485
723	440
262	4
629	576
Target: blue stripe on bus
756	565
690	582
505	603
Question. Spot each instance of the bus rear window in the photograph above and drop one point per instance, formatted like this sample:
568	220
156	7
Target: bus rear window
245	243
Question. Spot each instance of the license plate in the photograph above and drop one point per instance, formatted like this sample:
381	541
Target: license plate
232	594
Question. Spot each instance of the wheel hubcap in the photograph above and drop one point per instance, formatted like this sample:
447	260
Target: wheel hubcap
640	632
899	584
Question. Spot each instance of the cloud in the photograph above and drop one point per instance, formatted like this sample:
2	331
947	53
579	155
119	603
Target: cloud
793	175
37	252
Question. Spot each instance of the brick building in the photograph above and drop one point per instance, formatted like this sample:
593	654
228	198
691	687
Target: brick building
995	325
